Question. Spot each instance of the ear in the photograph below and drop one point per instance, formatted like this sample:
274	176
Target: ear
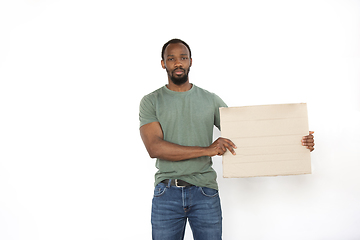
163	64
190	62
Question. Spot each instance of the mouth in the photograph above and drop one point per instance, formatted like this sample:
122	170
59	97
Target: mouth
179	71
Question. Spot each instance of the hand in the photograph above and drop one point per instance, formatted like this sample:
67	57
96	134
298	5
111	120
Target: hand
308	141
220	146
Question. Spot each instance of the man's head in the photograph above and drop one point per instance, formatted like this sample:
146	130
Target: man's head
176	59
175	40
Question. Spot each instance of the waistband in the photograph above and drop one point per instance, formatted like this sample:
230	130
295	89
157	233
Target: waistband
177	183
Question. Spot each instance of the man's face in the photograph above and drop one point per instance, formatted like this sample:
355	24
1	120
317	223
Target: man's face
177	63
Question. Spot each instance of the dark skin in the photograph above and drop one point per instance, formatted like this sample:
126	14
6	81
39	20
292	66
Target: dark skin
177	62
308	141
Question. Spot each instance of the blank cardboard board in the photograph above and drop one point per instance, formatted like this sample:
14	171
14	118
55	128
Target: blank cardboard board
268	140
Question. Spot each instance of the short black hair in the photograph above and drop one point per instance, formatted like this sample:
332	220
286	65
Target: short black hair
175	40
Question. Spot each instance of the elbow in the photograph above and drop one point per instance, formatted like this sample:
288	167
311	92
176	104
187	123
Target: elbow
152	155
153	152
154	147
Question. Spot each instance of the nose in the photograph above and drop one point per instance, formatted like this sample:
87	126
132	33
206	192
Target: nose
178	64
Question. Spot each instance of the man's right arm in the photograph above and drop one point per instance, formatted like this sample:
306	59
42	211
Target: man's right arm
153	138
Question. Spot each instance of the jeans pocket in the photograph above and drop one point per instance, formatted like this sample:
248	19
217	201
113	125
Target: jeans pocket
209	192
159	190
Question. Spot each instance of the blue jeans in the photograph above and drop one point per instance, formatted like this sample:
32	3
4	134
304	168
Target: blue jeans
172	206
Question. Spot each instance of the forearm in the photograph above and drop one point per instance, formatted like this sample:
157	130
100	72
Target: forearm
174	152
157	147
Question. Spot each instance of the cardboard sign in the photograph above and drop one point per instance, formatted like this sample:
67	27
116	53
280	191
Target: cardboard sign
268	140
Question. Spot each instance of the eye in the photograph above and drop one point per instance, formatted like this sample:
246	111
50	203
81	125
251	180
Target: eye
184	58
170	59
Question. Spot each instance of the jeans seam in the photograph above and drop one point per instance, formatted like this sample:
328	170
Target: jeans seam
206	195
160	194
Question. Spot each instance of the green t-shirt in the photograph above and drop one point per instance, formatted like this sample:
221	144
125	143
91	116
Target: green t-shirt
188	119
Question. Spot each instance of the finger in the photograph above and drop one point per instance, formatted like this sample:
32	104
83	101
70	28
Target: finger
221	151
230	148
308	140
231	143
223	147
311	144
310	148
228	141
311	132
226	144
308	136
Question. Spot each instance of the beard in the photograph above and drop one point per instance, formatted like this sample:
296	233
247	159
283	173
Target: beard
179	80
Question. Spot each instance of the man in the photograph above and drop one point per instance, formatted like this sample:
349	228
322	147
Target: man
176	126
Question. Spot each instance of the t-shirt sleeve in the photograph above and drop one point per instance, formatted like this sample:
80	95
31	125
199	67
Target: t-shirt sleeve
147	111
218	103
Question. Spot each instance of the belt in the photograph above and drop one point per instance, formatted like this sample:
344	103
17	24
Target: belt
177	183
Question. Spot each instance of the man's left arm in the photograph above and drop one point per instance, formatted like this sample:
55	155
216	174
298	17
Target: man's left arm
308	141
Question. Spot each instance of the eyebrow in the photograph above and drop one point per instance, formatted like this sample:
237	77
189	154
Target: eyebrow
183	54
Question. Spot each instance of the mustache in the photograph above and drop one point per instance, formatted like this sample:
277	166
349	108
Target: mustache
179	69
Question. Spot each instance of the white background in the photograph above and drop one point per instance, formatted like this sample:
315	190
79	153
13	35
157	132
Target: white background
72	73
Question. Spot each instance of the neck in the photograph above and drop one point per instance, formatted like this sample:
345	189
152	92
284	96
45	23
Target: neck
179	88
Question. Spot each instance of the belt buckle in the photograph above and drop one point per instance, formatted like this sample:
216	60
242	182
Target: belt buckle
176	184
